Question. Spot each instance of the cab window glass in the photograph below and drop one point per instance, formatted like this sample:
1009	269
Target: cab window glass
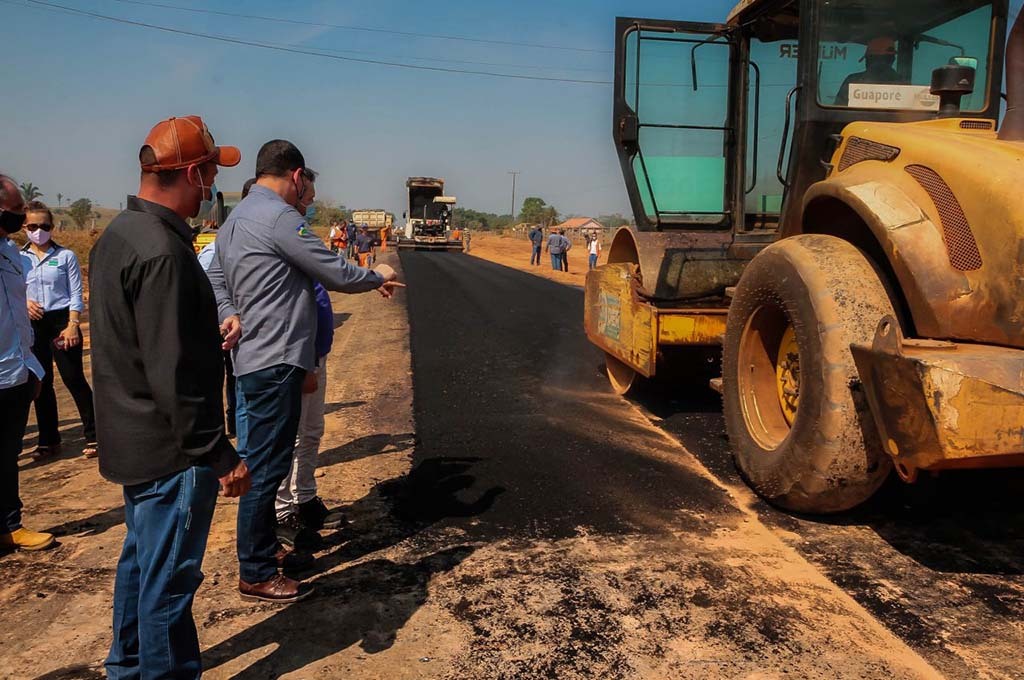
681	167
881	55
776	62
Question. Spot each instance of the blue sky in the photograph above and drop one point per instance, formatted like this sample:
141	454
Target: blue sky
87	91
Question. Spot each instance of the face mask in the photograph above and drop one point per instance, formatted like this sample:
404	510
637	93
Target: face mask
310	212
207	190
300	191
11	221
39	236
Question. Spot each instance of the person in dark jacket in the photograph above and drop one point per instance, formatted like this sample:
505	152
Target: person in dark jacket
351	233
537	242
157	374
566	247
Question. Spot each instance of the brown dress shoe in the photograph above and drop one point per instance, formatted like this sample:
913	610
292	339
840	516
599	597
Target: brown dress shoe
280	589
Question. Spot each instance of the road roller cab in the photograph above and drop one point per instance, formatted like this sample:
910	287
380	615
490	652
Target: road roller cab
820	188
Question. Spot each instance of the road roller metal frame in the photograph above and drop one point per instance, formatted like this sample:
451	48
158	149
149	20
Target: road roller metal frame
929	198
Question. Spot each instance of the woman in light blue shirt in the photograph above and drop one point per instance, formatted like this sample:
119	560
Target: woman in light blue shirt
54	282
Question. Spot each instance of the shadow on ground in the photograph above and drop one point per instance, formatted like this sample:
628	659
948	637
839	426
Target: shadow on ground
365	447
365	604
369	602
92	525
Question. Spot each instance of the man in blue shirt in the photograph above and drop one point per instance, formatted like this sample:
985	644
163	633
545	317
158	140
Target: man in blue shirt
262	273
555	247
20	373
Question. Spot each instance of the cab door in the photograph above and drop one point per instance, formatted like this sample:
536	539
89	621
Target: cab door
674	129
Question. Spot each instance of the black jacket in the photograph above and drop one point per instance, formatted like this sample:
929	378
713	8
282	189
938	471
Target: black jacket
158	369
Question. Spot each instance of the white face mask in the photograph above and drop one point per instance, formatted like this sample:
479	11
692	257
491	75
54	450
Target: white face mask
39	237
207	190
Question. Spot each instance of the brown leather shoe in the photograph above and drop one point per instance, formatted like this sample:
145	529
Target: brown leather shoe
280	589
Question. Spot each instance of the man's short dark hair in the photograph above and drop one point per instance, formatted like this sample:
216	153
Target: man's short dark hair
278	158
248	185
164	178
10	195
39	206
6	182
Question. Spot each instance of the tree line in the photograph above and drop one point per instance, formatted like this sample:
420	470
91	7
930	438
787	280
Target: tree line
535	210
80	211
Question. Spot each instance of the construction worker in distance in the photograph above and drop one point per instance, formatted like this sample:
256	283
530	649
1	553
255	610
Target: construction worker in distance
351	233
879	56
337	238
364	246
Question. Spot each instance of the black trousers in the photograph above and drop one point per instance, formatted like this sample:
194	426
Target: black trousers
565	261
14	403
231	397
69	364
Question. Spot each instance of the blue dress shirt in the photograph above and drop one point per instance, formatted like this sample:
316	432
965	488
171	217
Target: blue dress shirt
16	358
55	281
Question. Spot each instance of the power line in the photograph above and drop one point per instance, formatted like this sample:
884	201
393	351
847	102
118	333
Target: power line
367	29
363	52
281	48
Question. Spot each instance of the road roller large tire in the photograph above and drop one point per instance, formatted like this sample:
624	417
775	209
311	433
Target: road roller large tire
798	421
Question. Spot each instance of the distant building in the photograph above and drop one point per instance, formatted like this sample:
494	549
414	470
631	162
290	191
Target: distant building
576	227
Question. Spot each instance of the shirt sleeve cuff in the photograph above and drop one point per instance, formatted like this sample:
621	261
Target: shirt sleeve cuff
223	458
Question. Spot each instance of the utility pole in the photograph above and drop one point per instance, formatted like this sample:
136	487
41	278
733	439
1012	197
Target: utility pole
514	174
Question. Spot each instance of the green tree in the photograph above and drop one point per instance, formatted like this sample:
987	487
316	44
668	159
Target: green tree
536	211
60	197
30	192
613	221
80	211
327	212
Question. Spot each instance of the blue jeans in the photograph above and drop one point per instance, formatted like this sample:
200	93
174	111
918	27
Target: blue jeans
535	255
593	261
556	261
269	407
158	574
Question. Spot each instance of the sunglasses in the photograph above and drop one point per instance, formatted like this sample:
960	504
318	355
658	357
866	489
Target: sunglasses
44	227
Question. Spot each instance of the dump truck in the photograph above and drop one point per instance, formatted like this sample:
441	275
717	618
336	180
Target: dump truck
380	223
821	191
429	223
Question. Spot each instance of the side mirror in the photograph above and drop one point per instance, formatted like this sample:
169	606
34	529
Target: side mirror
967	62
950	84
403	215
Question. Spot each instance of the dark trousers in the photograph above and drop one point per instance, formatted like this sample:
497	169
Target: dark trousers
160	569
593	261
272	403
231	397
69	364
535	255
14	404
565	262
